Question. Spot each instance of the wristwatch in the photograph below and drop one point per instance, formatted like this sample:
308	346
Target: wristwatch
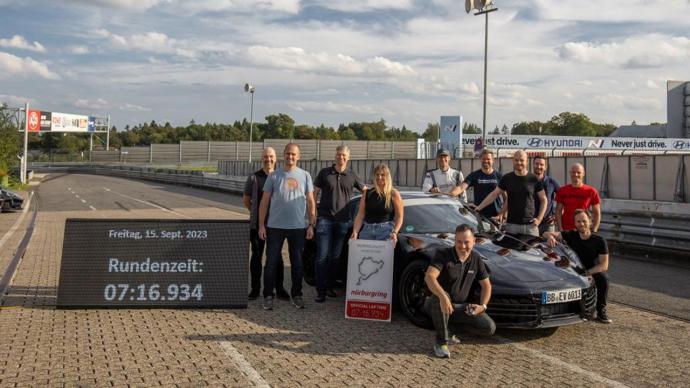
483	305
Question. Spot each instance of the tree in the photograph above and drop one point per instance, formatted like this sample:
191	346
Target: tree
470	128
9	140
572	124
431	132
280	126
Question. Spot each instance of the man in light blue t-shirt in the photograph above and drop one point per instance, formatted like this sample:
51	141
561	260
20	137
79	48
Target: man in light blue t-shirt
292	216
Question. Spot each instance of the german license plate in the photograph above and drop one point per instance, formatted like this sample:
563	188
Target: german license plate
548	297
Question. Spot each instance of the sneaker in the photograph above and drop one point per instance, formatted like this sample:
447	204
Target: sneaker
441	351
320	298
298	302
331	293
254	294
268	303
282	294
602	317
454	340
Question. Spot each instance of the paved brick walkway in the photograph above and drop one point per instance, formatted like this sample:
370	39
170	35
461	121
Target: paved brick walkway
43	346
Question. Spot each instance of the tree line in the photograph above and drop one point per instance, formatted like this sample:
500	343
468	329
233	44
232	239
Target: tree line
275	126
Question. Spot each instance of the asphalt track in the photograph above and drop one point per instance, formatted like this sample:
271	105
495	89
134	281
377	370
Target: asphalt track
40	346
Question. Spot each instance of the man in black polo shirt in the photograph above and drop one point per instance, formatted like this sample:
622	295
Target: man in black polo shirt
525	194
450	276
253	191
335	184
592	251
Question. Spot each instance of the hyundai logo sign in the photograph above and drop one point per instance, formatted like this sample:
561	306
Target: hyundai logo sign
681	144
534	142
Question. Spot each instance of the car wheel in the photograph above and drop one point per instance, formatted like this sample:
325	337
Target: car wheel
308	259
412	292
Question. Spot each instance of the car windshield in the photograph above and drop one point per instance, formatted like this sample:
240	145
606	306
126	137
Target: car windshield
436	218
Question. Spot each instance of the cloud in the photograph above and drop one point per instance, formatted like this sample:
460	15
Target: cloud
630	102
335	107
26	67
645	11
357	6
154	42
199	6
654	50
79	50
129	5
95	104
14	101
133	108
19	42
295	58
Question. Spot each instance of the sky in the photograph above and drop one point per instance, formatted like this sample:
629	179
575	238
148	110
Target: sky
330	61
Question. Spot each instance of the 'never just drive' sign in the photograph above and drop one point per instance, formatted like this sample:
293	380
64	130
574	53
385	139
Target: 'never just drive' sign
154	263
369	280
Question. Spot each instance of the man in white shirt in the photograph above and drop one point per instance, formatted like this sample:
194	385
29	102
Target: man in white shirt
444	179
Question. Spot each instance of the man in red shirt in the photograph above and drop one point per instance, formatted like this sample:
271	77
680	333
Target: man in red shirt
577	195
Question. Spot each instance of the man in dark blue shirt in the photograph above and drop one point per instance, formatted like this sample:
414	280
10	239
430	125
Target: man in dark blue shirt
551	186
484	181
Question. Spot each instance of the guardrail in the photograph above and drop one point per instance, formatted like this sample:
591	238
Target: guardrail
625	223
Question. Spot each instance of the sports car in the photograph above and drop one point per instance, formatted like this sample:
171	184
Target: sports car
534	286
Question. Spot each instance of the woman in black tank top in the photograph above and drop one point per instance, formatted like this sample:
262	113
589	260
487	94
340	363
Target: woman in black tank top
380	213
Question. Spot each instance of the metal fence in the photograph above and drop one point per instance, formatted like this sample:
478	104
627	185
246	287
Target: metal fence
626	223
208	151
650	177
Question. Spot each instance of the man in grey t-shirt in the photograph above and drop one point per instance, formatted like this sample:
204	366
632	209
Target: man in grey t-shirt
292	216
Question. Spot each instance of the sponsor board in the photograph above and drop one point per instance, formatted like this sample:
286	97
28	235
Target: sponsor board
33	124
578	143
369	280
65	122
451	134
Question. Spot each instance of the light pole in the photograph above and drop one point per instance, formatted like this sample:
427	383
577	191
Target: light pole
483	7
250	88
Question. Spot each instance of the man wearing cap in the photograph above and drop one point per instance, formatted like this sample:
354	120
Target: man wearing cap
444	179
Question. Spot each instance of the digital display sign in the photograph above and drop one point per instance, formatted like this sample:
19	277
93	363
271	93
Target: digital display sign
154	263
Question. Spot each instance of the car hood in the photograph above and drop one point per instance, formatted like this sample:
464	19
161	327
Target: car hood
510	265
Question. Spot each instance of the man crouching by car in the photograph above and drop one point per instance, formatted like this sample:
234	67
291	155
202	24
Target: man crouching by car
450	276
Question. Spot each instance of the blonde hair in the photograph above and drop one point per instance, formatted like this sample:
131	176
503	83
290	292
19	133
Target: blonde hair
387	187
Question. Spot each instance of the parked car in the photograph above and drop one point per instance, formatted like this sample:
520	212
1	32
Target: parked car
10	200
534	286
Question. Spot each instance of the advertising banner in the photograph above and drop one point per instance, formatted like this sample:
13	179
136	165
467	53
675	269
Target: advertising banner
578	143
369	280
451	134
46	121
65	122
33	124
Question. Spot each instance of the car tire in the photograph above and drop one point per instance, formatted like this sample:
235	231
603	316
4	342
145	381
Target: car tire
412	292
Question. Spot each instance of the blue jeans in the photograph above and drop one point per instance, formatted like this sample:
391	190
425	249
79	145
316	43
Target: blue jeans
330	235
380	232
274	245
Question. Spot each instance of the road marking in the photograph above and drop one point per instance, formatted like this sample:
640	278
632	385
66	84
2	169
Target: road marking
83	201
146	202
18	222
554	360
92	208
76	195
243	365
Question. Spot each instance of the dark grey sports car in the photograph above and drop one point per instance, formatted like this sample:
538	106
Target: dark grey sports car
534	286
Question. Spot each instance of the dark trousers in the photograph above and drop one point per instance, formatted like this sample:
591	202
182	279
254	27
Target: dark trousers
330	236
255	262
601	280
274	245
476	324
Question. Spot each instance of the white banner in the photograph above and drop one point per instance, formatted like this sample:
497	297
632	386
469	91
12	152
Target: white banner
578	143
65	122
369	280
